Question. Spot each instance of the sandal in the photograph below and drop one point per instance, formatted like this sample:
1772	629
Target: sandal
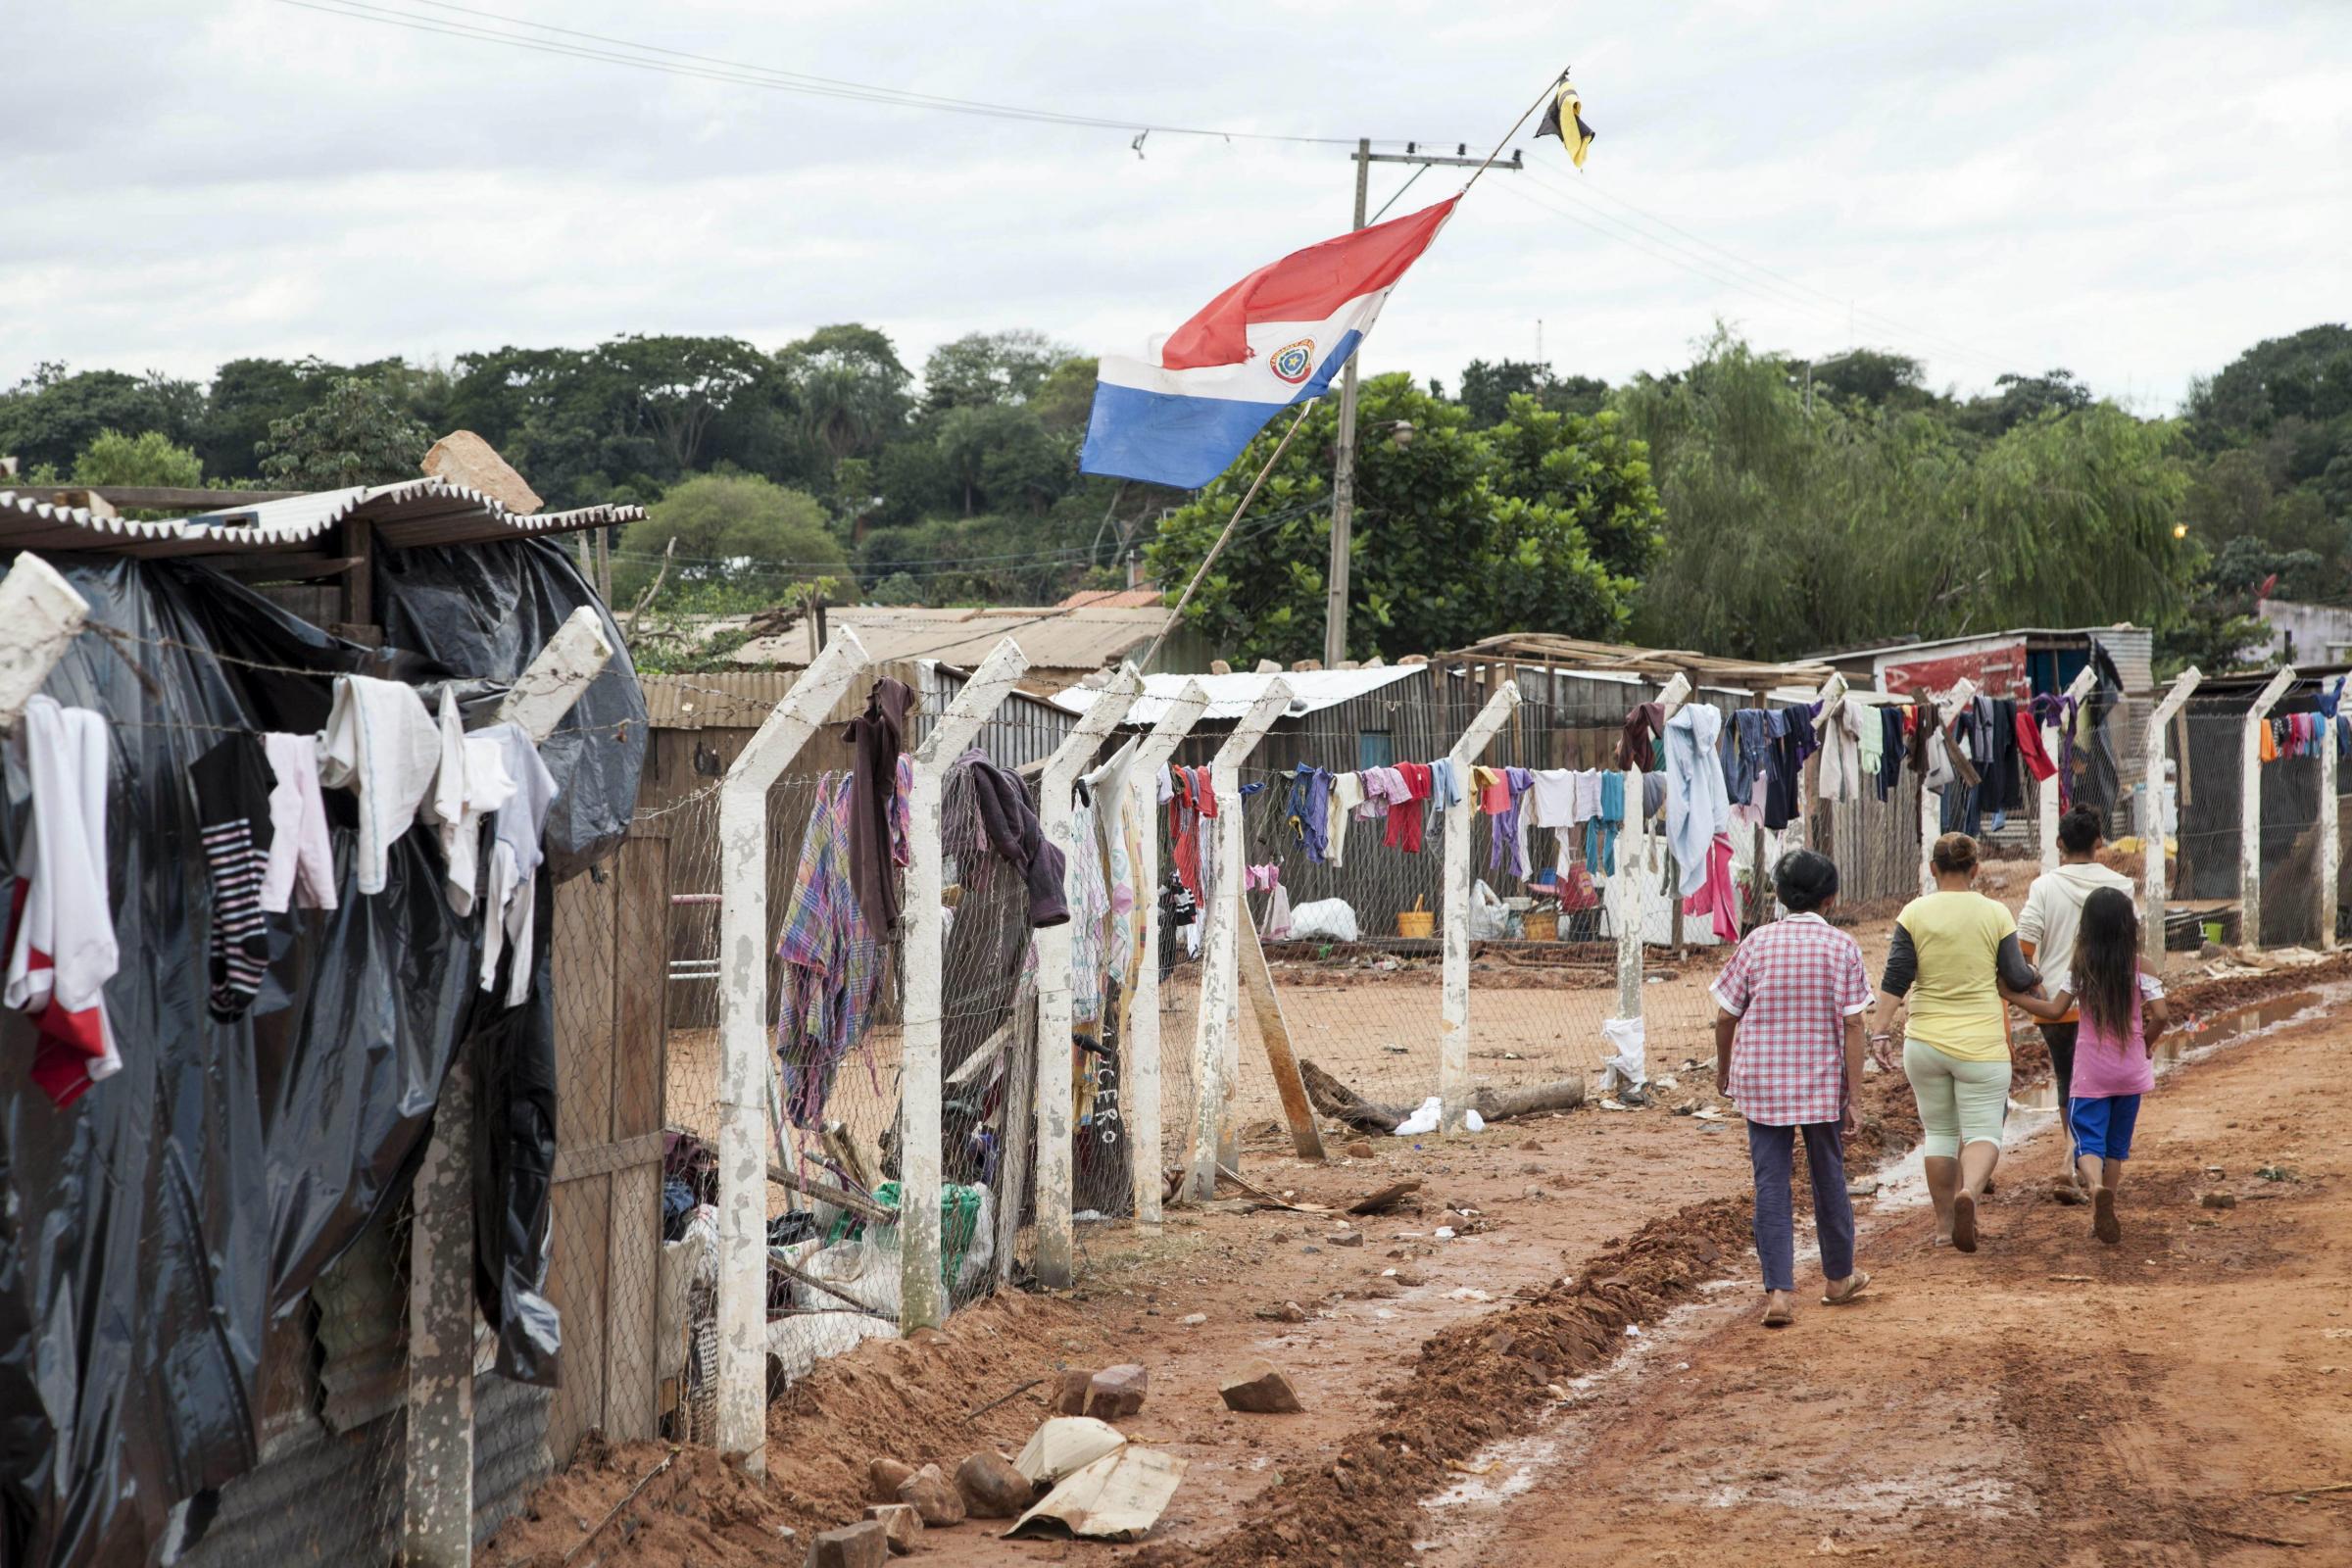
1778	1317
1964	1223
1853	1292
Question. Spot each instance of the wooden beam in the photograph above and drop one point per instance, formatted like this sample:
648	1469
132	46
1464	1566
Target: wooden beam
866	1208
1258	983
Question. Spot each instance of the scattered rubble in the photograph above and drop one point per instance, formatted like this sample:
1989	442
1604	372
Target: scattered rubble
884	1477
1260	1390
863	1544
991	1487
933	1496
901	1526
1116	1392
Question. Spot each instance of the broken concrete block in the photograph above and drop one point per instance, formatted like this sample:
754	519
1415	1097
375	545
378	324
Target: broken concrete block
884	1477
1260	1390
1116	1392
991	1488
901	1526
463	457
933	1496
860	1545
1069	1395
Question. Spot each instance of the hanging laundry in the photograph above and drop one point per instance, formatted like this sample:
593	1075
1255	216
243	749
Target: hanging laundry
1085	894
61	946
1552	795
383	746
1013	831
1717	896
1601	827
1891	751
831	962
1116	833
2268	746
1507	841
471	783
1267	879
301	866
1184	831
509	915
1633	743
232	822
1307	810
1446	784
1748	747
877	738
1843	767
1405	815
1697	808
2030	749
1347	800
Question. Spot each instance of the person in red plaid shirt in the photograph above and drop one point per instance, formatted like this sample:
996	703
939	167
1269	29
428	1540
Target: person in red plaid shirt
1788	1051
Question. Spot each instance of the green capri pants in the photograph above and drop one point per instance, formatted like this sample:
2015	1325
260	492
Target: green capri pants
1959	1101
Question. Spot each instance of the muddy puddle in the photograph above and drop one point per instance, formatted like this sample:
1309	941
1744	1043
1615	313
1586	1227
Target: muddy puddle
2205	1033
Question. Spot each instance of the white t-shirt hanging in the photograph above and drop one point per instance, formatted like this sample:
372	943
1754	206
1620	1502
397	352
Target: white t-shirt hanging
62	950
1551	798
510	912
383	745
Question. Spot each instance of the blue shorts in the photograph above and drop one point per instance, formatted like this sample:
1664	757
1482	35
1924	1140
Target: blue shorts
2102	1126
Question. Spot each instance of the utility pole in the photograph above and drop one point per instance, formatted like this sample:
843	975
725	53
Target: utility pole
1342	479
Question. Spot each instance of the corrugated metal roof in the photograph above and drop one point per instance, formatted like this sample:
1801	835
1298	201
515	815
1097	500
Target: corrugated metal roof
1090	637
1144	598
724	699
412	512
1231	696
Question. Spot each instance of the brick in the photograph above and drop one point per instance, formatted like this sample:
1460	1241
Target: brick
859	1545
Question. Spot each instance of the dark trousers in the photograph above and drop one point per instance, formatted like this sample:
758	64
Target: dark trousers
2060	1038
1772	1152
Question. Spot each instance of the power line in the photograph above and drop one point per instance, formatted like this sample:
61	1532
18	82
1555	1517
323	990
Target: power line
712	67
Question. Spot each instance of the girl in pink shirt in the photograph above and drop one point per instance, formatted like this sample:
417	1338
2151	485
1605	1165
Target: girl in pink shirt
2123	1014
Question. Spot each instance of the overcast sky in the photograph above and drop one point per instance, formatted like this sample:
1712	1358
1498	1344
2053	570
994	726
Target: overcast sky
2136	192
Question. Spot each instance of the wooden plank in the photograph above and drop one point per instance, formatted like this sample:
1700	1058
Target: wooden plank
631	1392
581	960
603	1159
640	982
576	1284
1258	980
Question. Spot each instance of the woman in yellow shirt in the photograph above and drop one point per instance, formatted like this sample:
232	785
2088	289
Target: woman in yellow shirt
1952	952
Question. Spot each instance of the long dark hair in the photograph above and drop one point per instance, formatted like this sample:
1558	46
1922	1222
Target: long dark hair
2107	961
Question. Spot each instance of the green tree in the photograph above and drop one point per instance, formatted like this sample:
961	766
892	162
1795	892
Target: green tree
148	458
1488	390
1458	532
989	367
729	528
356	433
48	418
849	387
246	396
675	388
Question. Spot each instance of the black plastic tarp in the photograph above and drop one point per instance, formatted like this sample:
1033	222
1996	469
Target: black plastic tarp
151	1232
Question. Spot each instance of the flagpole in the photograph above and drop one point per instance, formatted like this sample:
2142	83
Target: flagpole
1554	87
1210	559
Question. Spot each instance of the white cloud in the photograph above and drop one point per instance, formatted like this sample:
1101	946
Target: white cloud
2136	193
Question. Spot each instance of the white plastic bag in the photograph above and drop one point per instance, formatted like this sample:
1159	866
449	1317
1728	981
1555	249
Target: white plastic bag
1626	1061
1490	916
1427	1114
1324	920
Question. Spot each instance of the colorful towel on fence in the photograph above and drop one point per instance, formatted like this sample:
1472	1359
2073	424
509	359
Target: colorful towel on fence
1718	895
831	961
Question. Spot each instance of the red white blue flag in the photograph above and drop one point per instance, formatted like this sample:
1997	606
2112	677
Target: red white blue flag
1181	415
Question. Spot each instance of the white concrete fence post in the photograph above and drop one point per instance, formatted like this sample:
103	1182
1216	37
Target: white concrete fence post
1930	802
1629	888
2048	789
1216	1038
743	1042
2332	849
2154	884
437	1506
1142	1029
1454	1015
41	615
1056	1242
2249	847
922	1298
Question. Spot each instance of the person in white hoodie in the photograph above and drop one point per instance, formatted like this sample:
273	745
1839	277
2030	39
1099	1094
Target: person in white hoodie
2045	930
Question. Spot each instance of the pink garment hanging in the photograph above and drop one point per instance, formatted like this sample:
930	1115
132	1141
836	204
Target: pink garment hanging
1267	879
1718	895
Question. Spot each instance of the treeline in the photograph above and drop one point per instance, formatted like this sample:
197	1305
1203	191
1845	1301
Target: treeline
1749	502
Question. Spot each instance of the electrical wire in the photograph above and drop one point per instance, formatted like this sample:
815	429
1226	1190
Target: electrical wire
710	68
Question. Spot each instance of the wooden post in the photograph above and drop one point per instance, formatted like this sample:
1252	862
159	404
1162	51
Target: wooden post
1258	983
437	1508
2249	814
1454	1015
2051	742
743	1044
1216	1038
2153	884
1142	1028
1056	1240
41	615
922	1303
1930	802
1630	886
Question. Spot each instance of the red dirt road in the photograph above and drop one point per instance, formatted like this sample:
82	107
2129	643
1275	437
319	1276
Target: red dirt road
2050	1400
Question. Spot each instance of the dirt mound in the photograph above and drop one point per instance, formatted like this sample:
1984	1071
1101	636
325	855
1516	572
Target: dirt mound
907	1398
1473	1384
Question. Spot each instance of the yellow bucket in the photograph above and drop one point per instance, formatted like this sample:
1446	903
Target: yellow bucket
1543	925
1416	922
